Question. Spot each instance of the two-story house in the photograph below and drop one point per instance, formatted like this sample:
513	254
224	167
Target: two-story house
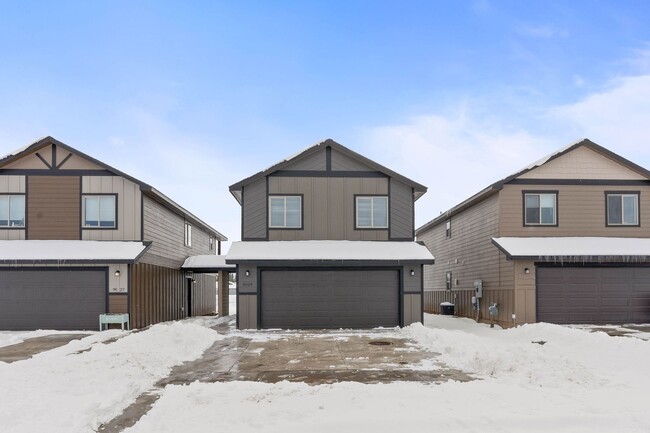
79	238
328	242
566	240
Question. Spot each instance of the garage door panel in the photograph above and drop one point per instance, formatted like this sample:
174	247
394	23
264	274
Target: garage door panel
329	299
598	295
51	299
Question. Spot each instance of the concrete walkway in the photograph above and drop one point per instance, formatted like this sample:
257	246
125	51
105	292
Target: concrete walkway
33	346
314	357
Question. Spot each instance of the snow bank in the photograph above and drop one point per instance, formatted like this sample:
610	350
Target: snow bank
63	390
7	338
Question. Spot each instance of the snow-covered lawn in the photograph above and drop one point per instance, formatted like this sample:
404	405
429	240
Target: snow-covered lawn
576	381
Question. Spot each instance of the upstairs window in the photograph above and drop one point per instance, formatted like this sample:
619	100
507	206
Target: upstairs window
540	209
448	229
188	234
622	209
372	212
12	210
211	243
99	211
285	212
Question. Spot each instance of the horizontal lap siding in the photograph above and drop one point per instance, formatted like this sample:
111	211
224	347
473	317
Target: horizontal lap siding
118	303
401	210
53	207
254	210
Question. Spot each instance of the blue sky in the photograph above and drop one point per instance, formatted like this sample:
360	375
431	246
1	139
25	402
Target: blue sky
193	96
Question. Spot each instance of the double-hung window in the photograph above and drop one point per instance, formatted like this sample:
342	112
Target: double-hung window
285	212
99	211
372	212
540	208
622	209
12	210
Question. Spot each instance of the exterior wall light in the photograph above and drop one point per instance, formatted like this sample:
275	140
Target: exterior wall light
117	273
412	273
248	273
526	271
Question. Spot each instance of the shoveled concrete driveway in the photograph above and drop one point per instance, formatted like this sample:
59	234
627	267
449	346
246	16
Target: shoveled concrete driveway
313	357
33	346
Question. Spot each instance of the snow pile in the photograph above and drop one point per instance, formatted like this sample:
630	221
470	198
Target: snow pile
8	338
72	390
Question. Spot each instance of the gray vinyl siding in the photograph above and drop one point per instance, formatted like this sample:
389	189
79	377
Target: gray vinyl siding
166	230
128	207
12	184
412	309
328	207
341	162
254	210
316	161
401	210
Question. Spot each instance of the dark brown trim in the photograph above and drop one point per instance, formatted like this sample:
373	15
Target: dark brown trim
82	210
331	263
53	156
638	209
268	211
38	155
503	250
243	209
354	215
597	182
319	173
557	207
141	216
54	172
328	158
147	245
24	227
64	161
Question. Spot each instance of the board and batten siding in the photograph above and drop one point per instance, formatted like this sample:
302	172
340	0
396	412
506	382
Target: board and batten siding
581	211
412	297
328	207
128	207
53	207
12	184
254	208
166	230
247	297
401	211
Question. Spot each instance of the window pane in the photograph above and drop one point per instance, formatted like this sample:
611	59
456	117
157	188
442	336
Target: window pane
4	210
17	210
614	211
277	211
548	215
547	200
107	211
532	201
532	209
380	212
293	211
547	203
630	209
364	212
91	211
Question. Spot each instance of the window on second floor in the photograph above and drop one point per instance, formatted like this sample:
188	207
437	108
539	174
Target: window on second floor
448	280
188	234
285	211
99	211
448	229
540	208
211	243
622	209
372	212
12	210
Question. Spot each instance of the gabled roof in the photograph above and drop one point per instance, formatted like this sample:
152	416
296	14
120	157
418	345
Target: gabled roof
146	189
236	188
497	186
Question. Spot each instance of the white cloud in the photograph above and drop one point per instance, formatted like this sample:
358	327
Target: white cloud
542	31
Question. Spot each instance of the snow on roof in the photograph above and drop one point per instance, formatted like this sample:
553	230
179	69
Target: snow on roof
328	251
205	262
60	251
573	247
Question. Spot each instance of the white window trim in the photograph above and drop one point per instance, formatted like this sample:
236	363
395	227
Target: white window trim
187	241
284	199
98	196
621	195
372	212
540	223
9	226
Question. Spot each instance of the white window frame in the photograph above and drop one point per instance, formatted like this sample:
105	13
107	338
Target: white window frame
9	200
284	199
622	195
187	241
99	225
540	194
372	198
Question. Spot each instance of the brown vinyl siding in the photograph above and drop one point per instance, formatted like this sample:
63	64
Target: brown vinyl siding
581	211
401	210
118	303
166	229
53	207
328	207
254	208
505	299
128	202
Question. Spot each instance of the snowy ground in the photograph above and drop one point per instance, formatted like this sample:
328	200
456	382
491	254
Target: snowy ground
576	381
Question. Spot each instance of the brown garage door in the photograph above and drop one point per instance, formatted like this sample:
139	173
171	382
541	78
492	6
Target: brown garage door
598	295
329	299
51	299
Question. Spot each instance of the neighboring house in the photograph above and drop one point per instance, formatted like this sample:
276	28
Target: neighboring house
565	240
328	242
79	238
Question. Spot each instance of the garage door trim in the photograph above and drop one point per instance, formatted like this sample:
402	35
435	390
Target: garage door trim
400	282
